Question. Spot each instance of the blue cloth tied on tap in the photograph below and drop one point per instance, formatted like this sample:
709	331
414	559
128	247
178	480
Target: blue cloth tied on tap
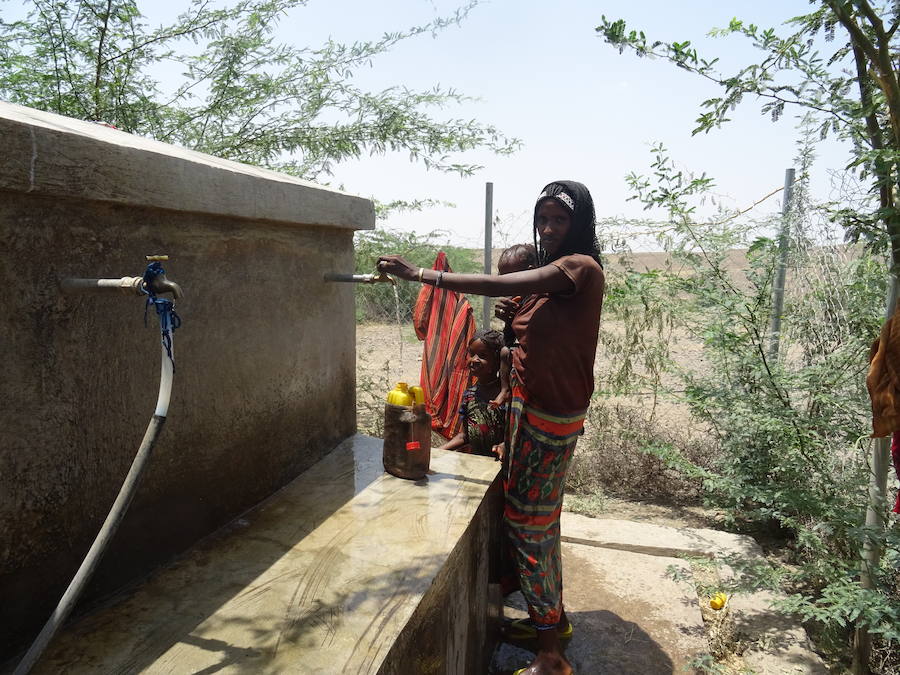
165	309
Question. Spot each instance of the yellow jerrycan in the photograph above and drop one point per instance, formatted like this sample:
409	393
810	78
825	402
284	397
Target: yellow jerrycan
407	433
400	395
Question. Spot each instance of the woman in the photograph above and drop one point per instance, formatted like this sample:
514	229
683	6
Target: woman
552	379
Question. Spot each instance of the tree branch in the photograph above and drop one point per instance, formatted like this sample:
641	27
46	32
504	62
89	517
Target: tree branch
99	70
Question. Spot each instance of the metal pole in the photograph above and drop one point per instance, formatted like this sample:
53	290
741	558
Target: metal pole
875	515
488	226
781	270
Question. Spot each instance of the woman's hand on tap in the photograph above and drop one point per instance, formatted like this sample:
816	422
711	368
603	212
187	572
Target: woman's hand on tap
398	266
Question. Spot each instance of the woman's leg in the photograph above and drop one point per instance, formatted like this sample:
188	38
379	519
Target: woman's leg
533	504
540	452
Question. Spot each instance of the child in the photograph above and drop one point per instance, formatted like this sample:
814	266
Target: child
516	258
483	425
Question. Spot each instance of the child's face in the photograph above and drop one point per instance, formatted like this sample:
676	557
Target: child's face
483	362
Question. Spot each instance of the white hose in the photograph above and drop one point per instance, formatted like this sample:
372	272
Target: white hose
110	525
165	378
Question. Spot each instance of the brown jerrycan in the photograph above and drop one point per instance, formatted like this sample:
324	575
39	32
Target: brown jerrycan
407	434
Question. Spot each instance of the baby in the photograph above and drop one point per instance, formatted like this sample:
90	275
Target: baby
516	258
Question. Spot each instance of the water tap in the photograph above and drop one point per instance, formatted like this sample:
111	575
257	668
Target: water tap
158	283
383	277
362	278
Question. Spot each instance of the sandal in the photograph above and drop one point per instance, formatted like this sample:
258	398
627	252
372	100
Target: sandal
523	629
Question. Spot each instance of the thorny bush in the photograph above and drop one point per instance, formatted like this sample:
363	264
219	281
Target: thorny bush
790	423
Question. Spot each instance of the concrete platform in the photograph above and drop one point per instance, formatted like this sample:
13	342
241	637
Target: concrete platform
340	572
650	539
349	570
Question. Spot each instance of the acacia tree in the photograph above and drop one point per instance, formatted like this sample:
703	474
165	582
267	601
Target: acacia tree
854	90
241	95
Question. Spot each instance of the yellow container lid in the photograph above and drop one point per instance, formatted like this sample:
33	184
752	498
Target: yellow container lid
400	395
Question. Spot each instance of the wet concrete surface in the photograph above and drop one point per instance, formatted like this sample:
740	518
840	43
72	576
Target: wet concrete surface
321	578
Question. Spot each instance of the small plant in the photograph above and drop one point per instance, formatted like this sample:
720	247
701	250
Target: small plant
614	456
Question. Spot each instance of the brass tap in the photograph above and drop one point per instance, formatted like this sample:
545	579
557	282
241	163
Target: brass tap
383	277
160	285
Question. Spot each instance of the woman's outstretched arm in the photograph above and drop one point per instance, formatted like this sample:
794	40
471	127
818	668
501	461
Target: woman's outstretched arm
546	279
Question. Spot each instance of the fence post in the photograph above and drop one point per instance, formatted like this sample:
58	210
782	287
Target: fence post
488	227
781	269
875	515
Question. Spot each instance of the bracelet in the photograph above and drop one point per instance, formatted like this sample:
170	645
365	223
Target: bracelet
421	274
440	278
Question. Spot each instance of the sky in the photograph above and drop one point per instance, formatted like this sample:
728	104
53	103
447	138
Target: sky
582	110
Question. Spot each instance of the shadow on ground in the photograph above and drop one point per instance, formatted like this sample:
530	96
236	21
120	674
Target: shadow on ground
603	642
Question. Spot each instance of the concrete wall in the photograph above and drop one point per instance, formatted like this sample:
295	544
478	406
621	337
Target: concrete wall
265	359
457	623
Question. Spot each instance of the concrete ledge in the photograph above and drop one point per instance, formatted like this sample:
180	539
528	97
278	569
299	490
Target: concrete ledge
346	570
266	379
93	162
626	535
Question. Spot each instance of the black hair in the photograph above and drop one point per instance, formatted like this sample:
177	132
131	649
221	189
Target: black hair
524	252
582	236
493	340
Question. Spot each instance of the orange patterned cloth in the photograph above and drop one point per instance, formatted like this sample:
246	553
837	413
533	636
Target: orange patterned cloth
883	380
444	321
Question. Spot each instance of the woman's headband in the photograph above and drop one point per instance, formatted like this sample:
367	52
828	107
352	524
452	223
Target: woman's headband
561	196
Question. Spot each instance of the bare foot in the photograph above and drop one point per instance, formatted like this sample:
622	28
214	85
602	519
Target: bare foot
550	659
547	663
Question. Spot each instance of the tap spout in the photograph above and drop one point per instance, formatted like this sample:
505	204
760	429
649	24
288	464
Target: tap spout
161	285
